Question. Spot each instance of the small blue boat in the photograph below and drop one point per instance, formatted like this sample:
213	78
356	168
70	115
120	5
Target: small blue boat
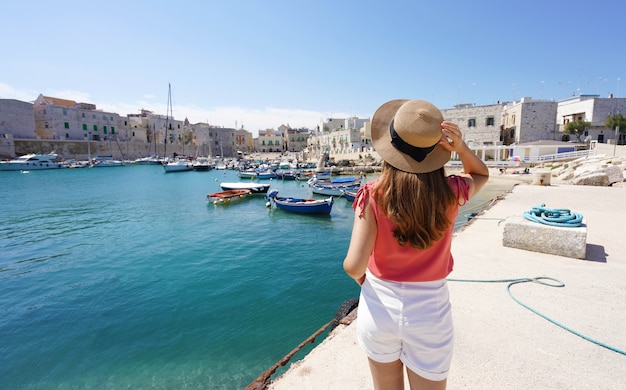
269	174
332	190
298	205
349	195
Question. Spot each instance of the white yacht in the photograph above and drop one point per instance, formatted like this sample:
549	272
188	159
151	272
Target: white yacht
31	162
177	165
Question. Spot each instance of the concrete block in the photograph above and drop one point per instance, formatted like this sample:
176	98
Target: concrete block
533	236
542	177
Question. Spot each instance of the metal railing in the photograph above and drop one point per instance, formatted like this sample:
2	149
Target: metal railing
567	155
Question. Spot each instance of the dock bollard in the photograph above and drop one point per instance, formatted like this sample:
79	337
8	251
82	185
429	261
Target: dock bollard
542	177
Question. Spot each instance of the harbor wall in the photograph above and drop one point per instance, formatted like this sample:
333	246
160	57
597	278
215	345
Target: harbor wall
81	150
127	150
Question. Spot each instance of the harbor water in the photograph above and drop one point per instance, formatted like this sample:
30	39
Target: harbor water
128	278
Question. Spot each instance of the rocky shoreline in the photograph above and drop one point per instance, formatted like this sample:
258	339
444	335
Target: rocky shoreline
599	170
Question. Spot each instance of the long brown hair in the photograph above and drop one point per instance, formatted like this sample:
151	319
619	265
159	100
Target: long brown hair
418	203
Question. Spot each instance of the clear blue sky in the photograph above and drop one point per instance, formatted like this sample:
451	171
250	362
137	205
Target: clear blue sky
261	64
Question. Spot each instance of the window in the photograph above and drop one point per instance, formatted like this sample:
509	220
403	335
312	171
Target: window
66	125
83	114
95	127
64	112
471	122
104	129
490	121
85	126
112	130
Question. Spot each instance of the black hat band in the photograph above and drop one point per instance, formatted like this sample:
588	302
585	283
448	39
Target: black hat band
416	153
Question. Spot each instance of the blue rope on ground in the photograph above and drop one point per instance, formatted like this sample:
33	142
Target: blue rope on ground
546	281
554	217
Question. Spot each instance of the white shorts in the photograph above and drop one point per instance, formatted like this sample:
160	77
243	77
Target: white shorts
410	321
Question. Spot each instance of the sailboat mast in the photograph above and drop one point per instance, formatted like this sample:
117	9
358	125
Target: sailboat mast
167	117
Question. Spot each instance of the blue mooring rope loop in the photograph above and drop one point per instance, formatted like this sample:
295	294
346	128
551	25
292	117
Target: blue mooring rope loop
546	281
553	217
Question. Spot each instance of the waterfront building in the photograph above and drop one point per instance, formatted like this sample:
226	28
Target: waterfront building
269	140
528	120
143	129
244	142
223	141
75	130
62	119
338	137
17	119
213	141
592	109
479	124
295	139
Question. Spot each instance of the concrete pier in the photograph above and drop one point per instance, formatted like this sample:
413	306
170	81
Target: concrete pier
500	344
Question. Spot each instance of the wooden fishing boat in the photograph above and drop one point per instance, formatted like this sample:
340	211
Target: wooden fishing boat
298	205
255	188
332	190
349	195
227	196
334	187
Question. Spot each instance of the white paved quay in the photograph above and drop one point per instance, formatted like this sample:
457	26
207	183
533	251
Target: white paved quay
499	343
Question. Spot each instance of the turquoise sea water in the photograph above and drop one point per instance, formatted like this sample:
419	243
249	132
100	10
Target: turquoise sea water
128	278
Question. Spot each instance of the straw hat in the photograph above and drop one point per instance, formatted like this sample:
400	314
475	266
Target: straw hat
406	134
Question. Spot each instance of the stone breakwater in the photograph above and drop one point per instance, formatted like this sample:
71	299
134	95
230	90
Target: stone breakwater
599	170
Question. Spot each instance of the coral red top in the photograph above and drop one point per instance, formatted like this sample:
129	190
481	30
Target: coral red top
390	261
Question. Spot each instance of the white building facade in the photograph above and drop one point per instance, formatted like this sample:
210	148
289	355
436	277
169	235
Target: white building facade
592	109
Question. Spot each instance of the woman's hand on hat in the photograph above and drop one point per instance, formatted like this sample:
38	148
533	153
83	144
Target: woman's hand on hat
451	137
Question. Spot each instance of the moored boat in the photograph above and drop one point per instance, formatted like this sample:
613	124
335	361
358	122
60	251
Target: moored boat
349	195
327	180
201	164
177	166
300	205
333	190
255	188
269	174
33	162
248	174
106	161
287	175
149	160
227	196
